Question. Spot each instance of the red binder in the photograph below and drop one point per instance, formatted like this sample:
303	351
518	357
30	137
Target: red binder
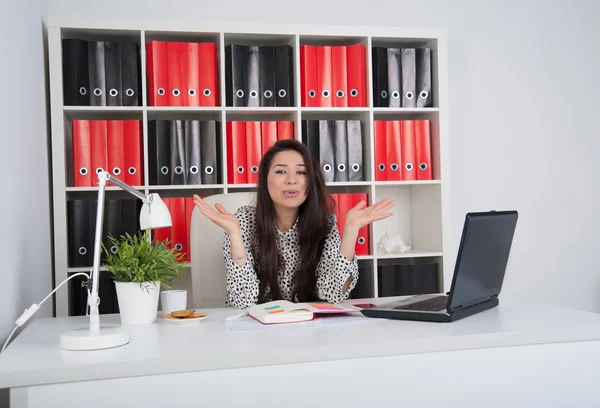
208	89
178	228
269	134
379	127
362	242
345	202
133	153
236	153
99	153
156	61
189	208
394	150
81	151
175	73
324	76
253	149
285	129
407	143
357	77
423	149
190	78
309	75
162	234
115	149
339	78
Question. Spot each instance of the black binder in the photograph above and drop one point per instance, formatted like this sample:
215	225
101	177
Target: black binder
310	135
192	151
130	74
267	75
112	58
284	76
111	225
76	81
380	77
236	76
177	161
130	216
159	147
423	81
209	151
81	232
97	73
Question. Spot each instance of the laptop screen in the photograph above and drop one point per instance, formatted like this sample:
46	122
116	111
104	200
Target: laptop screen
482	256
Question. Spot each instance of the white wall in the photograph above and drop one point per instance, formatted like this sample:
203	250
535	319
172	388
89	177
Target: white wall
25	255
522	103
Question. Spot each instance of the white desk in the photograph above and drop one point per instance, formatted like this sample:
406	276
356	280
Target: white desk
509	356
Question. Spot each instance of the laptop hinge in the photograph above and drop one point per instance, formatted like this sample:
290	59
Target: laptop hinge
474	302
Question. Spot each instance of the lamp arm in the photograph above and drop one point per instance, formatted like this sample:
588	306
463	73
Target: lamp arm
125	186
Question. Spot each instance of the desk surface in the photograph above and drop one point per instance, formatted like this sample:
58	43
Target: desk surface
35	358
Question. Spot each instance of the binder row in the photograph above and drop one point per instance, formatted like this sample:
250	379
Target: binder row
247	142
343	203
362	289
401	77
183	152
333	75
111	145
259	75
101	73
338	145
120	216
399	280
402	150
182	73
178	234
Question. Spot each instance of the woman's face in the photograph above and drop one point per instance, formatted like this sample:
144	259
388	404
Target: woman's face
287	179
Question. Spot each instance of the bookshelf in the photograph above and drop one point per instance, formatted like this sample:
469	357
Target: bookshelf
421	214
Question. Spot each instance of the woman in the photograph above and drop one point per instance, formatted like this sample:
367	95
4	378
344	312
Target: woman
288	246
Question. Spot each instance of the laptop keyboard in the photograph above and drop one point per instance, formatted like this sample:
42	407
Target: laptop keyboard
434	304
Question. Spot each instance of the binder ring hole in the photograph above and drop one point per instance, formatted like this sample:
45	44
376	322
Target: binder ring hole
176	92
282	93
384	94
99	169
97	91
325	93
208	170
113	92
355	167
394	167
381	167
206	92
409	95
113	249
132	170
194	169
178	247
361	240
129	92
83	171
239	93
164	170
395	94
253	94
423	166
178	170
327	168
354	92
161	91
268	94
240	169
408	166
312	93
82	250
116	171
83	90
191	92
340	93
423	95
254	169
341	167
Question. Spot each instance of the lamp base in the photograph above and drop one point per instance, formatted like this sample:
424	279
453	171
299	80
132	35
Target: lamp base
86	339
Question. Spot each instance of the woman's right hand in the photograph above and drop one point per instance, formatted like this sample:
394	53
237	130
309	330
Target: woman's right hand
218	215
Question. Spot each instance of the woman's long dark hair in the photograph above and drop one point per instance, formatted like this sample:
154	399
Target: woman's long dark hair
313	227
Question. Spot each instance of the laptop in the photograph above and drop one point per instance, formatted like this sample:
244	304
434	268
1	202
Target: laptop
478	274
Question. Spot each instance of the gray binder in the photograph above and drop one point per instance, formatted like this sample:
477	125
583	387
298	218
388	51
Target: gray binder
253	99
394	67
355	150
178	165
326	152
423	81
192	152
340	139
409	83
208	151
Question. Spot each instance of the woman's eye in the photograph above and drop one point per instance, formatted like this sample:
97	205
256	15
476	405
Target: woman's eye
302	173
279	172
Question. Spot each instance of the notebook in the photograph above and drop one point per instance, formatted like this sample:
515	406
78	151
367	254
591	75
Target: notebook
283	311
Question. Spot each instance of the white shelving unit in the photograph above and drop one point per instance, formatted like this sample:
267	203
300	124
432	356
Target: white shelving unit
421	214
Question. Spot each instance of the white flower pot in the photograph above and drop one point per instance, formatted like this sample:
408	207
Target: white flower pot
138	302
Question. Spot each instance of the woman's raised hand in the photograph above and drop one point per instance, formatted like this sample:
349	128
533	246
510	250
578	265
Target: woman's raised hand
218	215
361	215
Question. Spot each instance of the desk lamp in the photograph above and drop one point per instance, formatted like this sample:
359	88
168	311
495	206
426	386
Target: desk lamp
154	214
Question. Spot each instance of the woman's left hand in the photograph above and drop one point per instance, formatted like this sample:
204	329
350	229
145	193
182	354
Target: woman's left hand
361	215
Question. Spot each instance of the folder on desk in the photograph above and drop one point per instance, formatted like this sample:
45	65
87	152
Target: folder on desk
112	56
192	151
130	74
97	73
236	76
76	81
209	151
284	76
159	148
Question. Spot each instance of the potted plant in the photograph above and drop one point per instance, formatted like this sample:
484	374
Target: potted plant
140	266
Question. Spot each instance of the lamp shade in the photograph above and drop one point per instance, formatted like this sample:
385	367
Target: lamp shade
154	213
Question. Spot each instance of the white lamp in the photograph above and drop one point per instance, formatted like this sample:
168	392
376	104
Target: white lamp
154	214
